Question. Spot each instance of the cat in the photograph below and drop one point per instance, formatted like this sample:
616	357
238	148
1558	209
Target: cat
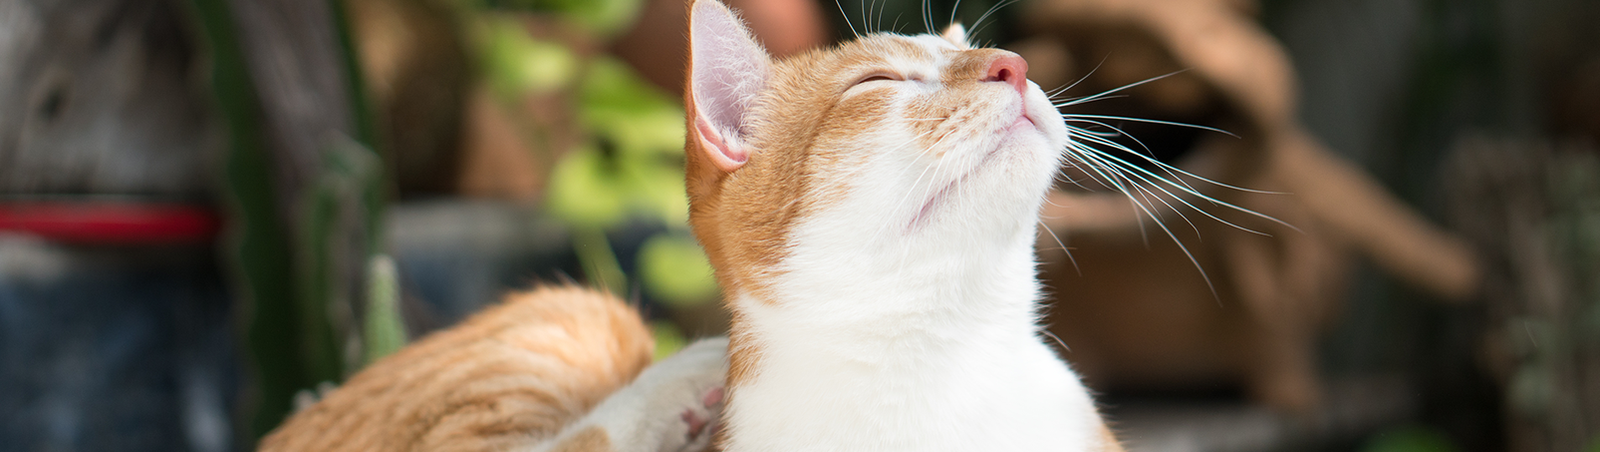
553	369
870	212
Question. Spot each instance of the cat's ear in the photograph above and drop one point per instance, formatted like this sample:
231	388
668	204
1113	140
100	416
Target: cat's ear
727	70
956	34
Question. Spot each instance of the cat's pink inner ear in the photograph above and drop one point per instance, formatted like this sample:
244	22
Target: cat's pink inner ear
726	154
728	70
956	34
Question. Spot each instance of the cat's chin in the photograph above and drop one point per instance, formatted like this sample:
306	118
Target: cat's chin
998	187
1023	123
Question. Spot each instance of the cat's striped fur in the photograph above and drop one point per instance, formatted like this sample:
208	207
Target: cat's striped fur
509	378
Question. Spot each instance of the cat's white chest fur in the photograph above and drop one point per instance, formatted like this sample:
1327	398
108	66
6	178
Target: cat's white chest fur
1001	396
881	350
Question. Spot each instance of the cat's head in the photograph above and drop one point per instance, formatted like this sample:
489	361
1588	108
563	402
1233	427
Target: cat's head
883	144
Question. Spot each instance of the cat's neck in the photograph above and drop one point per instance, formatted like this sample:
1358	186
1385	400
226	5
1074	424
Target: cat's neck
845	286
919	344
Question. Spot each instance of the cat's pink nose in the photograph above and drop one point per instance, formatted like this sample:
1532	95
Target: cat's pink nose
1010	69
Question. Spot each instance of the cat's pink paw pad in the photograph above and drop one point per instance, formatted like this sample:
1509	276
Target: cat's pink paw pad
698	419
696	423
712	397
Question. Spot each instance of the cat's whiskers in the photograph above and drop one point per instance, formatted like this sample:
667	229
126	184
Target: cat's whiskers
1046	330
1183	187
1081	100
1122	171
1153	180
1214	202
953	10
1151	121
1121	164
1096	168
978	24
1144	190
1067	160
1148	212
1138	184
1102	94
896	26
1073	181
1076	151
842	14
866	17
927	18
873	6
1115	131
1061	90
1061	244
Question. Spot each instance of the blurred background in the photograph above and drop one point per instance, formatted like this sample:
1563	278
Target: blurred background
210	209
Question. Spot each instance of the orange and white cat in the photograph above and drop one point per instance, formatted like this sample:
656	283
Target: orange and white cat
870	210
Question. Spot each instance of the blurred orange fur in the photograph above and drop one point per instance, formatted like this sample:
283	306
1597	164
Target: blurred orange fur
504	379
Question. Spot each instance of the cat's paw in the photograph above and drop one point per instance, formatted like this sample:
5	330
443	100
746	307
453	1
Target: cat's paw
702	422
689	384
675	405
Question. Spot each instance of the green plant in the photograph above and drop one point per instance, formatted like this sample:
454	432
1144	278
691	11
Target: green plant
627	164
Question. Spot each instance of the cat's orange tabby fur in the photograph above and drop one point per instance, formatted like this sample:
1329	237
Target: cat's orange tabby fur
511	378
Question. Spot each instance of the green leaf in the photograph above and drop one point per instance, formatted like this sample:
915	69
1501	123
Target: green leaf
639	131
643	131
602	17
661	192
518	64
606	17
585	191
618	103
675	271
383	331
611	82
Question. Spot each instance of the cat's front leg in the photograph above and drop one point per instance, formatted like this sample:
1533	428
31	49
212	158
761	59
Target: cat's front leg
673	406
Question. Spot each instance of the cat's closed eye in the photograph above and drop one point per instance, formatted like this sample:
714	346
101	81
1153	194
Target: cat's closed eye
879	77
